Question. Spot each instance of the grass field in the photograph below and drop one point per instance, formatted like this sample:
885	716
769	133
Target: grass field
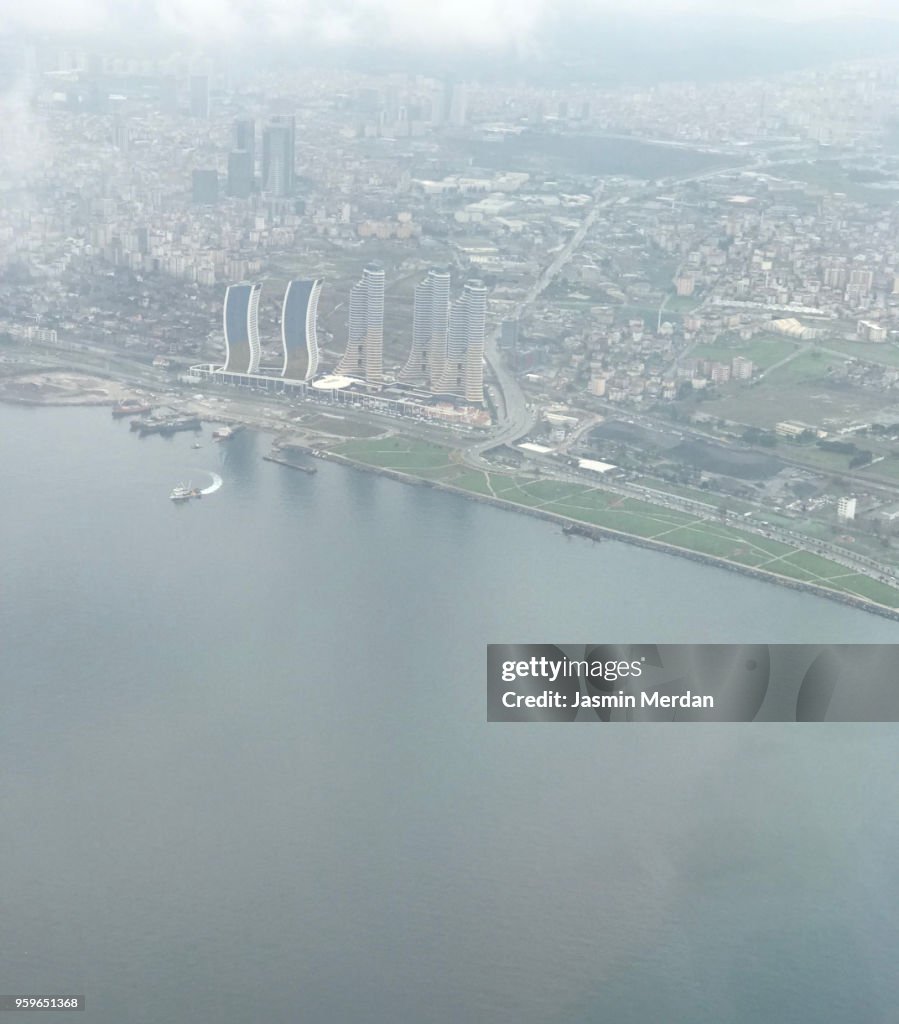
681	304
888	468
763	352
407	454
886	354
813	401
627	515
831	175
340	427
810	366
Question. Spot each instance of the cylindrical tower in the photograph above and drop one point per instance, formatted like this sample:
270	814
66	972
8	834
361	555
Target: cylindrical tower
463	371
430	318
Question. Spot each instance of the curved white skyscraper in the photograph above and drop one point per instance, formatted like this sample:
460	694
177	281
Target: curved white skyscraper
298	330
463	371
241	323
364	356
430	322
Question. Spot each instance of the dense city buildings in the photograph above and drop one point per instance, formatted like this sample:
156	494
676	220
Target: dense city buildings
634	307
674	249
205	186
298	329
719	270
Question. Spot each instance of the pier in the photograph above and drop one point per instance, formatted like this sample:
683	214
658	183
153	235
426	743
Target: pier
166	426
290	465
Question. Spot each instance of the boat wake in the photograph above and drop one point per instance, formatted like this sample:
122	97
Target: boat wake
214	486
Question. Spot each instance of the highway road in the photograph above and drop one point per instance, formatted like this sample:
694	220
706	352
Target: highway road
708	513
516	417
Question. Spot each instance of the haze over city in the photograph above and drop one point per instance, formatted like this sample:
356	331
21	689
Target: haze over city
383	386
444	24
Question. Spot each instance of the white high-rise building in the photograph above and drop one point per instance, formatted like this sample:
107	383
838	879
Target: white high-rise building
364	356
463	371
458	111
430	324
438	105
846	509
741	368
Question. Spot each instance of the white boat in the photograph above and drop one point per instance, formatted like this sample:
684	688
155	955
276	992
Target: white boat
182	493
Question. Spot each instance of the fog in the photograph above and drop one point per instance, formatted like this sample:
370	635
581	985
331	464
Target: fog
444	23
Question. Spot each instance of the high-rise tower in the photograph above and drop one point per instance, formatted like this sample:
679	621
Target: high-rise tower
278	146
205	185
199	96
240	174
430	321
458	105
463	373
298	333
245	136
364	354
241	322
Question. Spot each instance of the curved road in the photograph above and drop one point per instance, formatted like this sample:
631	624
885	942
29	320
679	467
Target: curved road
517	418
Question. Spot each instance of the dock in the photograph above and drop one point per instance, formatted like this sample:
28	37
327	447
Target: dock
578	530
166	426
290	465
129	407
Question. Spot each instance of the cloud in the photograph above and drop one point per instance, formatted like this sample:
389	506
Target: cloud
404	22
450	23
54	16
400	22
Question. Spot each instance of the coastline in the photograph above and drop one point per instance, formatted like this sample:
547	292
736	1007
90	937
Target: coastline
585	528
61	387
604	532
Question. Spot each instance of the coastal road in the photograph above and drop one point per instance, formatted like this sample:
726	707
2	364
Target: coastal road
838	553
708	513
